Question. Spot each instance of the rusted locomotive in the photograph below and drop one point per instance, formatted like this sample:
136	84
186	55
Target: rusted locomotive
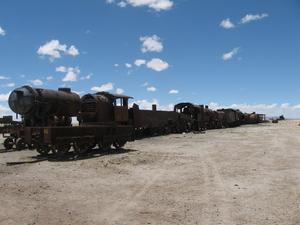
104	119
47	117
12	132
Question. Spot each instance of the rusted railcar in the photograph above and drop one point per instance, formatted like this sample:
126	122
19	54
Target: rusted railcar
156	122
102	122
232	117
13	133
195	113
104	119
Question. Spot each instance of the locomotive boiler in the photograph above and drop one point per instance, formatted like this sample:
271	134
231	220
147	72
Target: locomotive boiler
43	107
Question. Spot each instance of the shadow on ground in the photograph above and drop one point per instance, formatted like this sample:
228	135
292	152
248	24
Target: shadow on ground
95	153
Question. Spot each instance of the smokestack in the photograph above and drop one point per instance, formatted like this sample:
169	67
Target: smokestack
153	107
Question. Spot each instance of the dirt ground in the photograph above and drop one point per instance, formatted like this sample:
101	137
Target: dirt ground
245	175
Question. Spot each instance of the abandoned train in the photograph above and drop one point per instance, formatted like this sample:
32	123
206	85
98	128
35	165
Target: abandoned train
105	119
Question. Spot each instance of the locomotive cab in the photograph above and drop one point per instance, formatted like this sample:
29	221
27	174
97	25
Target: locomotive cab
104	107
120	106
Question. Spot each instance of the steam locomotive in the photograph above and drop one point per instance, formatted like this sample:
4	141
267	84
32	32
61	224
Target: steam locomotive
105	119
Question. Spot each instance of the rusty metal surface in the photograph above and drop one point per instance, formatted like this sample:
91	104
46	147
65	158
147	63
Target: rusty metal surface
106	119
41	107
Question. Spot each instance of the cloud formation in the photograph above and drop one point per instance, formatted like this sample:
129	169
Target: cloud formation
139	62
37	82
229	55
151	44
151	89
250	18
128	65
271	110
104	87
145	104
9	85
157	5
173	92
4	78
157	65
119	91
53	49
87	77
2	32
227	24
71	73
4	97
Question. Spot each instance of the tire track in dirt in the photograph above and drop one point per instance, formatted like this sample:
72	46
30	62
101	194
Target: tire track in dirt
121	208
218	196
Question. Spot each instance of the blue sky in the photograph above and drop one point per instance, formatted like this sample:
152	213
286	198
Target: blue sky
222	53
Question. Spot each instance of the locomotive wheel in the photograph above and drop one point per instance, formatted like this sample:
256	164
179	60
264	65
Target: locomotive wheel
81	147
60	149
8	143
104	146
43	149
20	144
118	144
31	147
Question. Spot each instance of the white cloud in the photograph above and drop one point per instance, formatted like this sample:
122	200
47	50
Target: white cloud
2	32
87	77
173	92
4	78
4	97
61	69
139	62
116	65
227	24
119	91
54	49
105	87
5	111
151	89
229	55
250	17
71	73
9	85
145	104
122	4
151	44
73	51
157	5
128	65
157	65
37	82
49	78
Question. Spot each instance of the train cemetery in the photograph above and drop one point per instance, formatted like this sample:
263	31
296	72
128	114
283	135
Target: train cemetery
126	165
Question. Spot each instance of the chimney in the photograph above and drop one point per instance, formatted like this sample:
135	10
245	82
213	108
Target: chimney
153	107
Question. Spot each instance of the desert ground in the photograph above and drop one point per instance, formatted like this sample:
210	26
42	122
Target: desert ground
246	175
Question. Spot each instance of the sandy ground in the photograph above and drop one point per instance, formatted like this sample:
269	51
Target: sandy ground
246	175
